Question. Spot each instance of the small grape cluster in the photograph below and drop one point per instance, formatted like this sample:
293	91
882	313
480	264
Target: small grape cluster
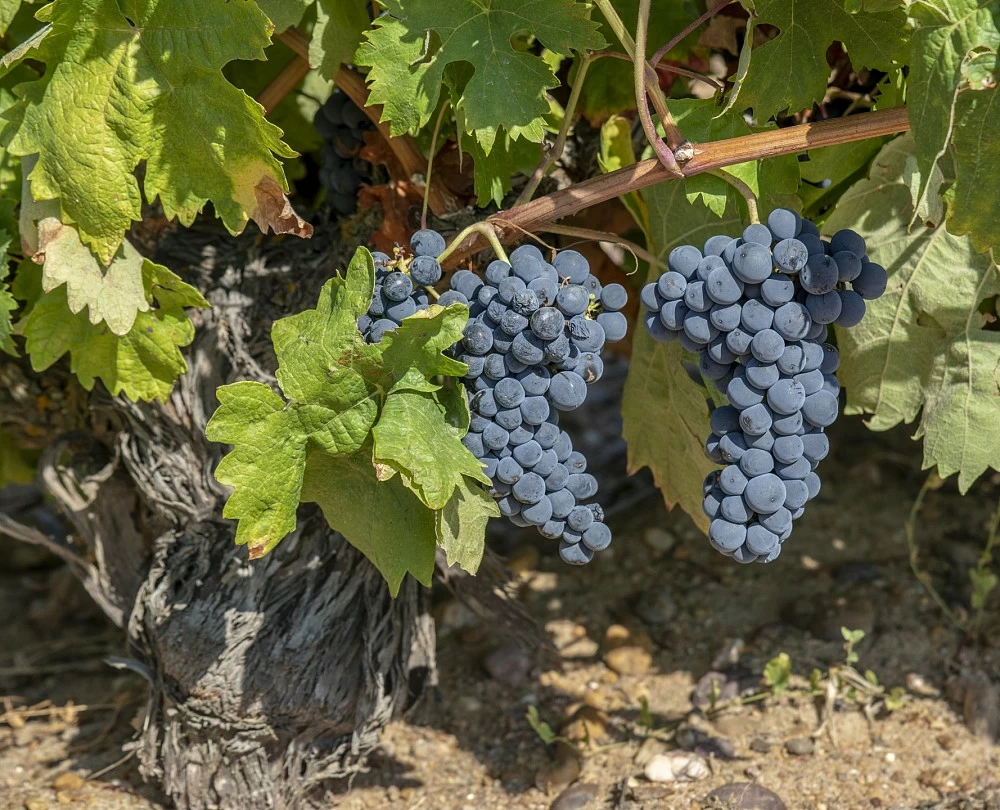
757	310
342	124
533	344
401	285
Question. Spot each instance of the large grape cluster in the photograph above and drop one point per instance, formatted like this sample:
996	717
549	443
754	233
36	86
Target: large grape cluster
533	344
343	125
756	310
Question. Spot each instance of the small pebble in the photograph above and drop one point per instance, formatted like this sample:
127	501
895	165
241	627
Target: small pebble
800	746
655	606
760	745
981	707
560	772
744	796
68	781
575	797
659	539
508	665
676	766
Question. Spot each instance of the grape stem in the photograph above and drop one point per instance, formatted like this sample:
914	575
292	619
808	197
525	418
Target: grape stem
681	71
669	46
911	543
404	148
708	156
430	164
604	236
484	229
660	149
675	140
555	151
745	191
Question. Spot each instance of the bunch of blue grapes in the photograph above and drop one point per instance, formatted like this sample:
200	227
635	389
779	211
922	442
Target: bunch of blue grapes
402	284
757	311
343	125
533	344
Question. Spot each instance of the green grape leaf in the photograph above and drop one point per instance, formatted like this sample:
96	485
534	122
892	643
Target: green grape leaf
742	67
366	431
608	88
266	466
15	467
142	364
382	519
7	303
8	10
283	14
790	72
923	349
830	170
410	440
507	86
617	153
414	354
138	85
664	413
976	209
339	26
461	526
948	31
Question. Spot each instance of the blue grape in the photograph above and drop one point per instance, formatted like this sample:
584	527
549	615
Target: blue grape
614	297
872	282
575	553
568	390
427	243
695	297
820	275
787	449
573	300
528	454
497	271
477	339
848	240
684	260
792	321
791	255
759	234
614	324
752	263
529	488
756	420
534	410
824	308
715	245
572	265
733	508
756	462
726	535
765	493
597	537
723	287
820	409
649	297
852	309
786	396
777	290
784	223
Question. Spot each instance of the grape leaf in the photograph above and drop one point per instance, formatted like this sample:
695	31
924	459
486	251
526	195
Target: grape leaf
266	465
976	209
664	413
947	32
608	88
7	303
115	296
409	439
461	526
283	14
339	26
829	171
617	153
790	72
382	519
142	364
361	414
138	85
15	467
8	10
507	86
922	349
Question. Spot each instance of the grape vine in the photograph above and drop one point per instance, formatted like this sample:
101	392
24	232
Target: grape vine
421	395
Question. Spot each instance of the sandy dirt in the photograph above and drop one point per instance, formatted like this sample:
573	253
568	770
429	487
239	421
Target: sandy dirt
636	633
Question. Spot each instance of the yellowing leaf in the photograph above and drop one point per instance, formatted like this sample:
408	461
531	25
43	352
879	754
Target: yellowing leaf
121	89
141	364
923	349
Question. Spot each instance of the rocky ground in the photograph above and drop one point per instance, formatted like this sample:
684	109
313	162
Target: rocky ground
655	692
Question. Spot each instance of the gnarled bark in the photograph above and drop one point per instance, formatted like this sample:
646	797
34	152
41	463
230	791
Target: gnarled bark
266	678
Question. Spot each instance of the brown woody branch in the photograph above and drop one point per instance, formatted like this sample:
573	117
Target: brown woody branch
440	200
284	83
708	157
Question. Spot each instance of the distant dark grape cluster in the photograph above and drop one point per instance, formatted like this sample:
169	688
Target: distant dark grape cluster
343	125
533	344
756	310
